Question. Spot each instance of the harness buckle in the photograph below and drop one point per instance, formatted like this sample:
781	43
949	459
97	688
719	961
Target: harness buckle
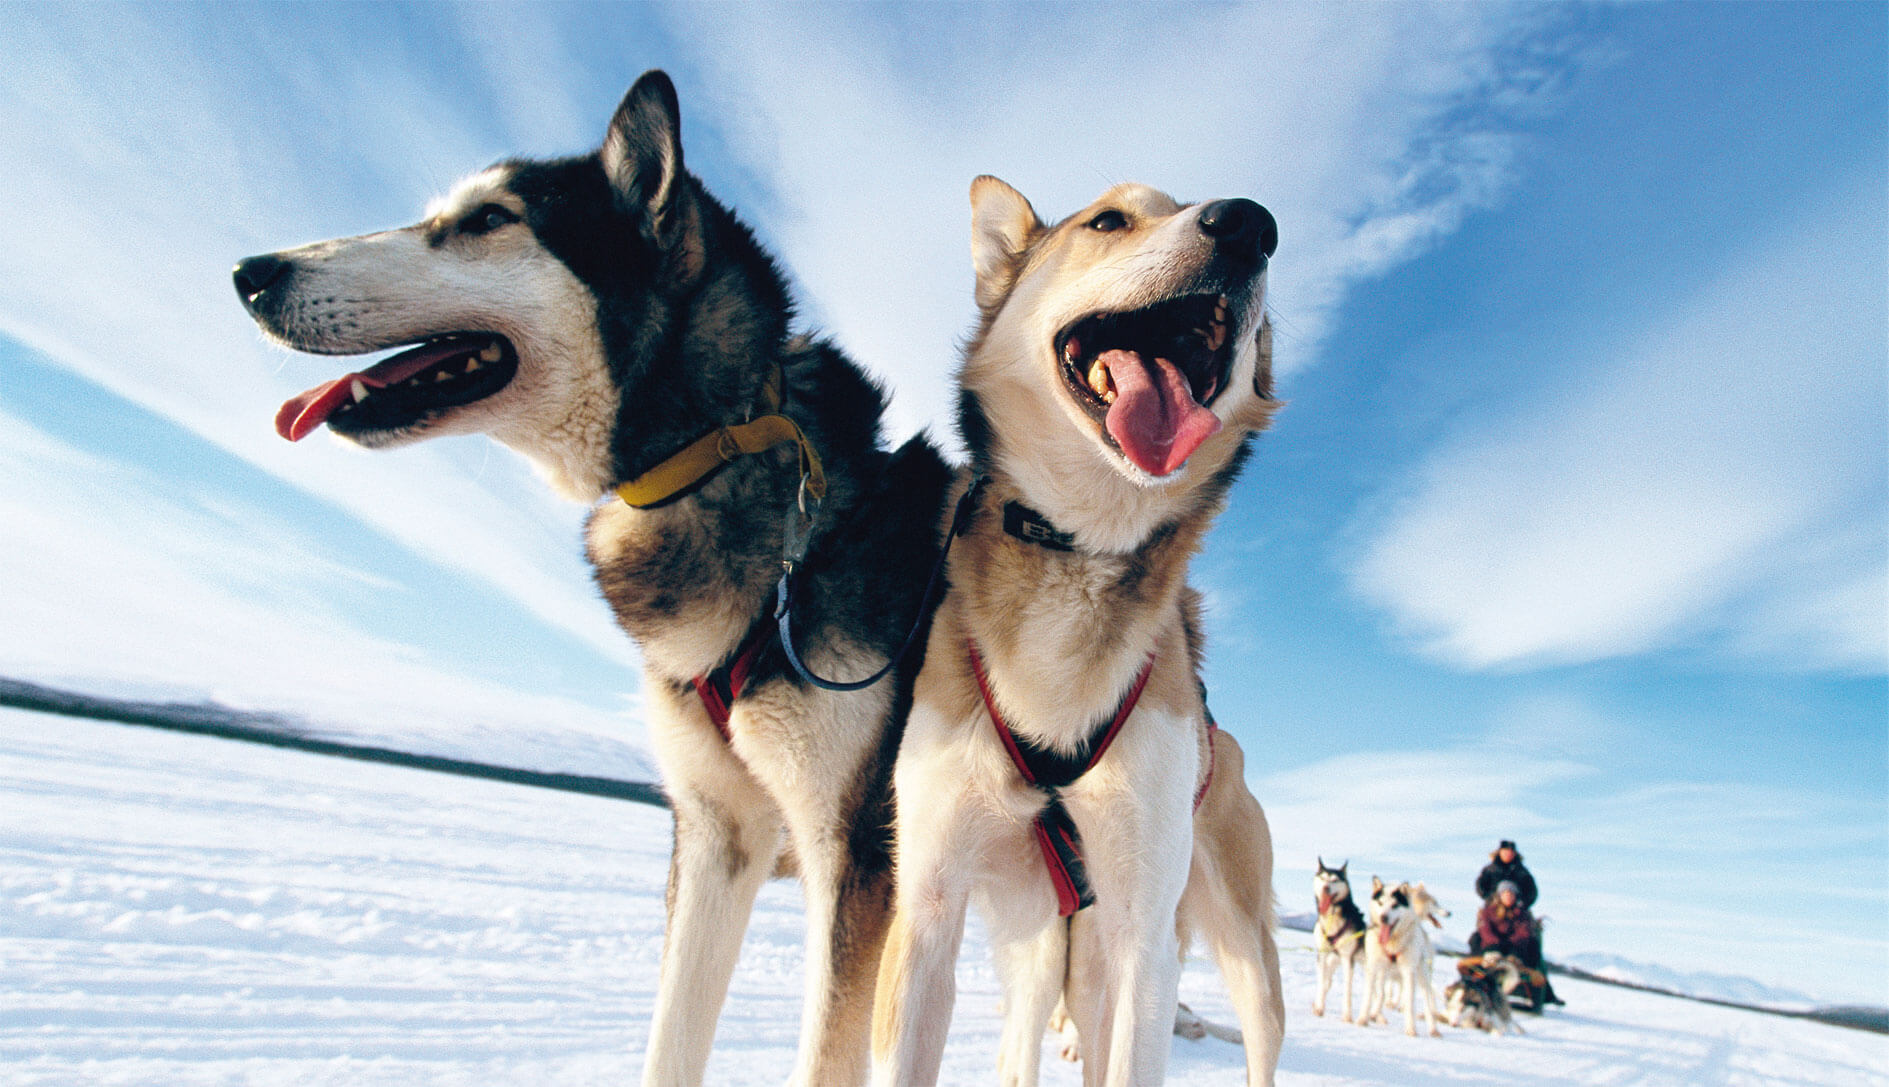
797	531
727	446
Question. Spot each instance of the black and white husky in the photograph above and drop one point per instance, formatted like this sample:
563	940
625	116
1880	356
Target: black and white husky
1399	957
609	319
1339	933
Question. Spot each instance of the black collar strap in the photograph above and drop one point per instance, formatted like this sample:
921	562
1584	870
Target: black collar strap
1032	527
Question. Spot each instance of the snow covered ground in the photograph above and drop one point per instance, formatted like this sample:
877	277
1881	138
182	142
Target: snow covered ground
179	910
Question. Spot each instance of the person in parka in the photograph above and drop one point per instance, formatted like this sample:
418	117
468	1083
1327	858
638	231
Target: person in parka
1505	925
1506	864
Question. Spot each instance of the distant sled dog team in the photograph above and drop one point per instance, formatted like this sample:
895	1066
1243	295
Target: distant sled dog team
910	685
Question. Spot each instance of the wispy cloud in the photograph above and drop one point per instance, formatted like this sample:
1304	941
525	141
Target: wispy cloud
209	138
1369	133
1717	478
117	573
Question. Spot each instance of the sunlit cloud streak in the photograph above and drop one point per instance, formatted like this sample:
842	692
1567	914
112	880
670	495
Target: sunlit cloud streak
1707	480
1354	126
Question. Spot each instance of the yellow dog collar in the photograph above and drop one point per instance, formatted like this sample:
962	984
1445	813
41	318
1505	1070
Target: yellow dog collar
723	444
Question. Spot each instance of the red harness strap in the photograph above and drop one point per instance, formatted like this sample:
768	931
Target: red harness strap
1200	794
719	689
1055	831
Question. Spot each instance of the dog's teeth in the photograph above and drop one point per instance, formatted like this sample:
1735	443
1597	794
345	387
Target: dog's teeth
359	390
1216	337
441	376
472	365
490	354
1099	382
1072	350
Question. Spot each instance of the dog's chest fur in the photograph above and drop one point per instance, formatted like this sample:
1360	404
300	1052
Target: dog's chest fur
688	580
1064	633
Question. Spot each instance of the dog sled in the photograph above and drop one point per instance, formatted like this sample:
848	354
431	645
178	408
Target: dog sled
1526	987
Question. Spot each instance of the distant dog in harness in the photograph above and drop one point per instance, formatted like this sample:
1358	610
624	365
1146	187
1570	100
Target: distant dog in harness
1479	998
1338	932
1057	740
1398	948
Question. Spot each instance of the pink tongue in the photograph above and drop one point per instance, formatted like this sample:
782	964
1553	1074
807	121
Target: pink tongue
299	417
1155	418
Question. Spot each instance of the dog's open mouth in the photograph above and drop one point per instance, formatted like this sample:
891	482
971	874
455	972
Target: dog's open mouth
409	388
1148	375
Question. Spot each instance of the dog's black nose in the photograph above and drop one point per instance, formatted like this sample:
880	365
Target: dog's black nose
254	274
1240	225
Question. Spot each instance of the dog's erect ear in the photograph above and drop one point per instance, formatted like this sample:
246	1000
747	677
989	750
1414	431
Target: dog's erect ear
1002	222
642	151
1376	885
1321	865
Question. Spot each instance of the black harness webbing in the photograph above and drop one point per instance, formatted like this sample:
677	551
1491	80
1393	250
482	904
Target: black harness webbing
1051	771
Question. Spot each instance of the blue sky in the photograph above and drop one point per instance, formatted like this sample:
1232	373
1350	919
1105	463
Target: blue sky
1575	529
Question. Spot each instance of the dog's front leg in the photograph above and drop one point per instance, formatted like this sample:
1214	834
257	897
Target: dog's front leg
1373	986
848	887
727	839
1350	967
917	982
1407	976
1122	995
718	864
1032	972
1124	967
1427	977
917	973
1327	965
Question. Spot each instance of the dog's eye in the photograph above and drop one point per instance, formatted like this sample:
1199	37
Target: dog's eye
487	219
1109	221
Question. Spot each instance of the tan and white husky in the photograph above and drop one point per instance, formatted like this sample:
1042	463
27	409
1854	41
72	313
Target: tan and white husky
1058	739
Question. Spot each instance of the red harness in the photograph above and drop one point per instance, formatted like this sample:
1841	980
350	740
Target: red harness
1050	771
719	689
1206	781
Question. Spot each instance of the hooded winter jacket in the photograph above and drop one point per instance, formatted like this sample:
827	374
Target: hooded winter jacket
1510	930
1495	872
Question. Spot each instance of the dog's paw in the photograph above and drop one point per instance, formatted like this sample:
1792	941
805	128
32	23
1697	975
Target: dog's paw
1188	1025
1318	1011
